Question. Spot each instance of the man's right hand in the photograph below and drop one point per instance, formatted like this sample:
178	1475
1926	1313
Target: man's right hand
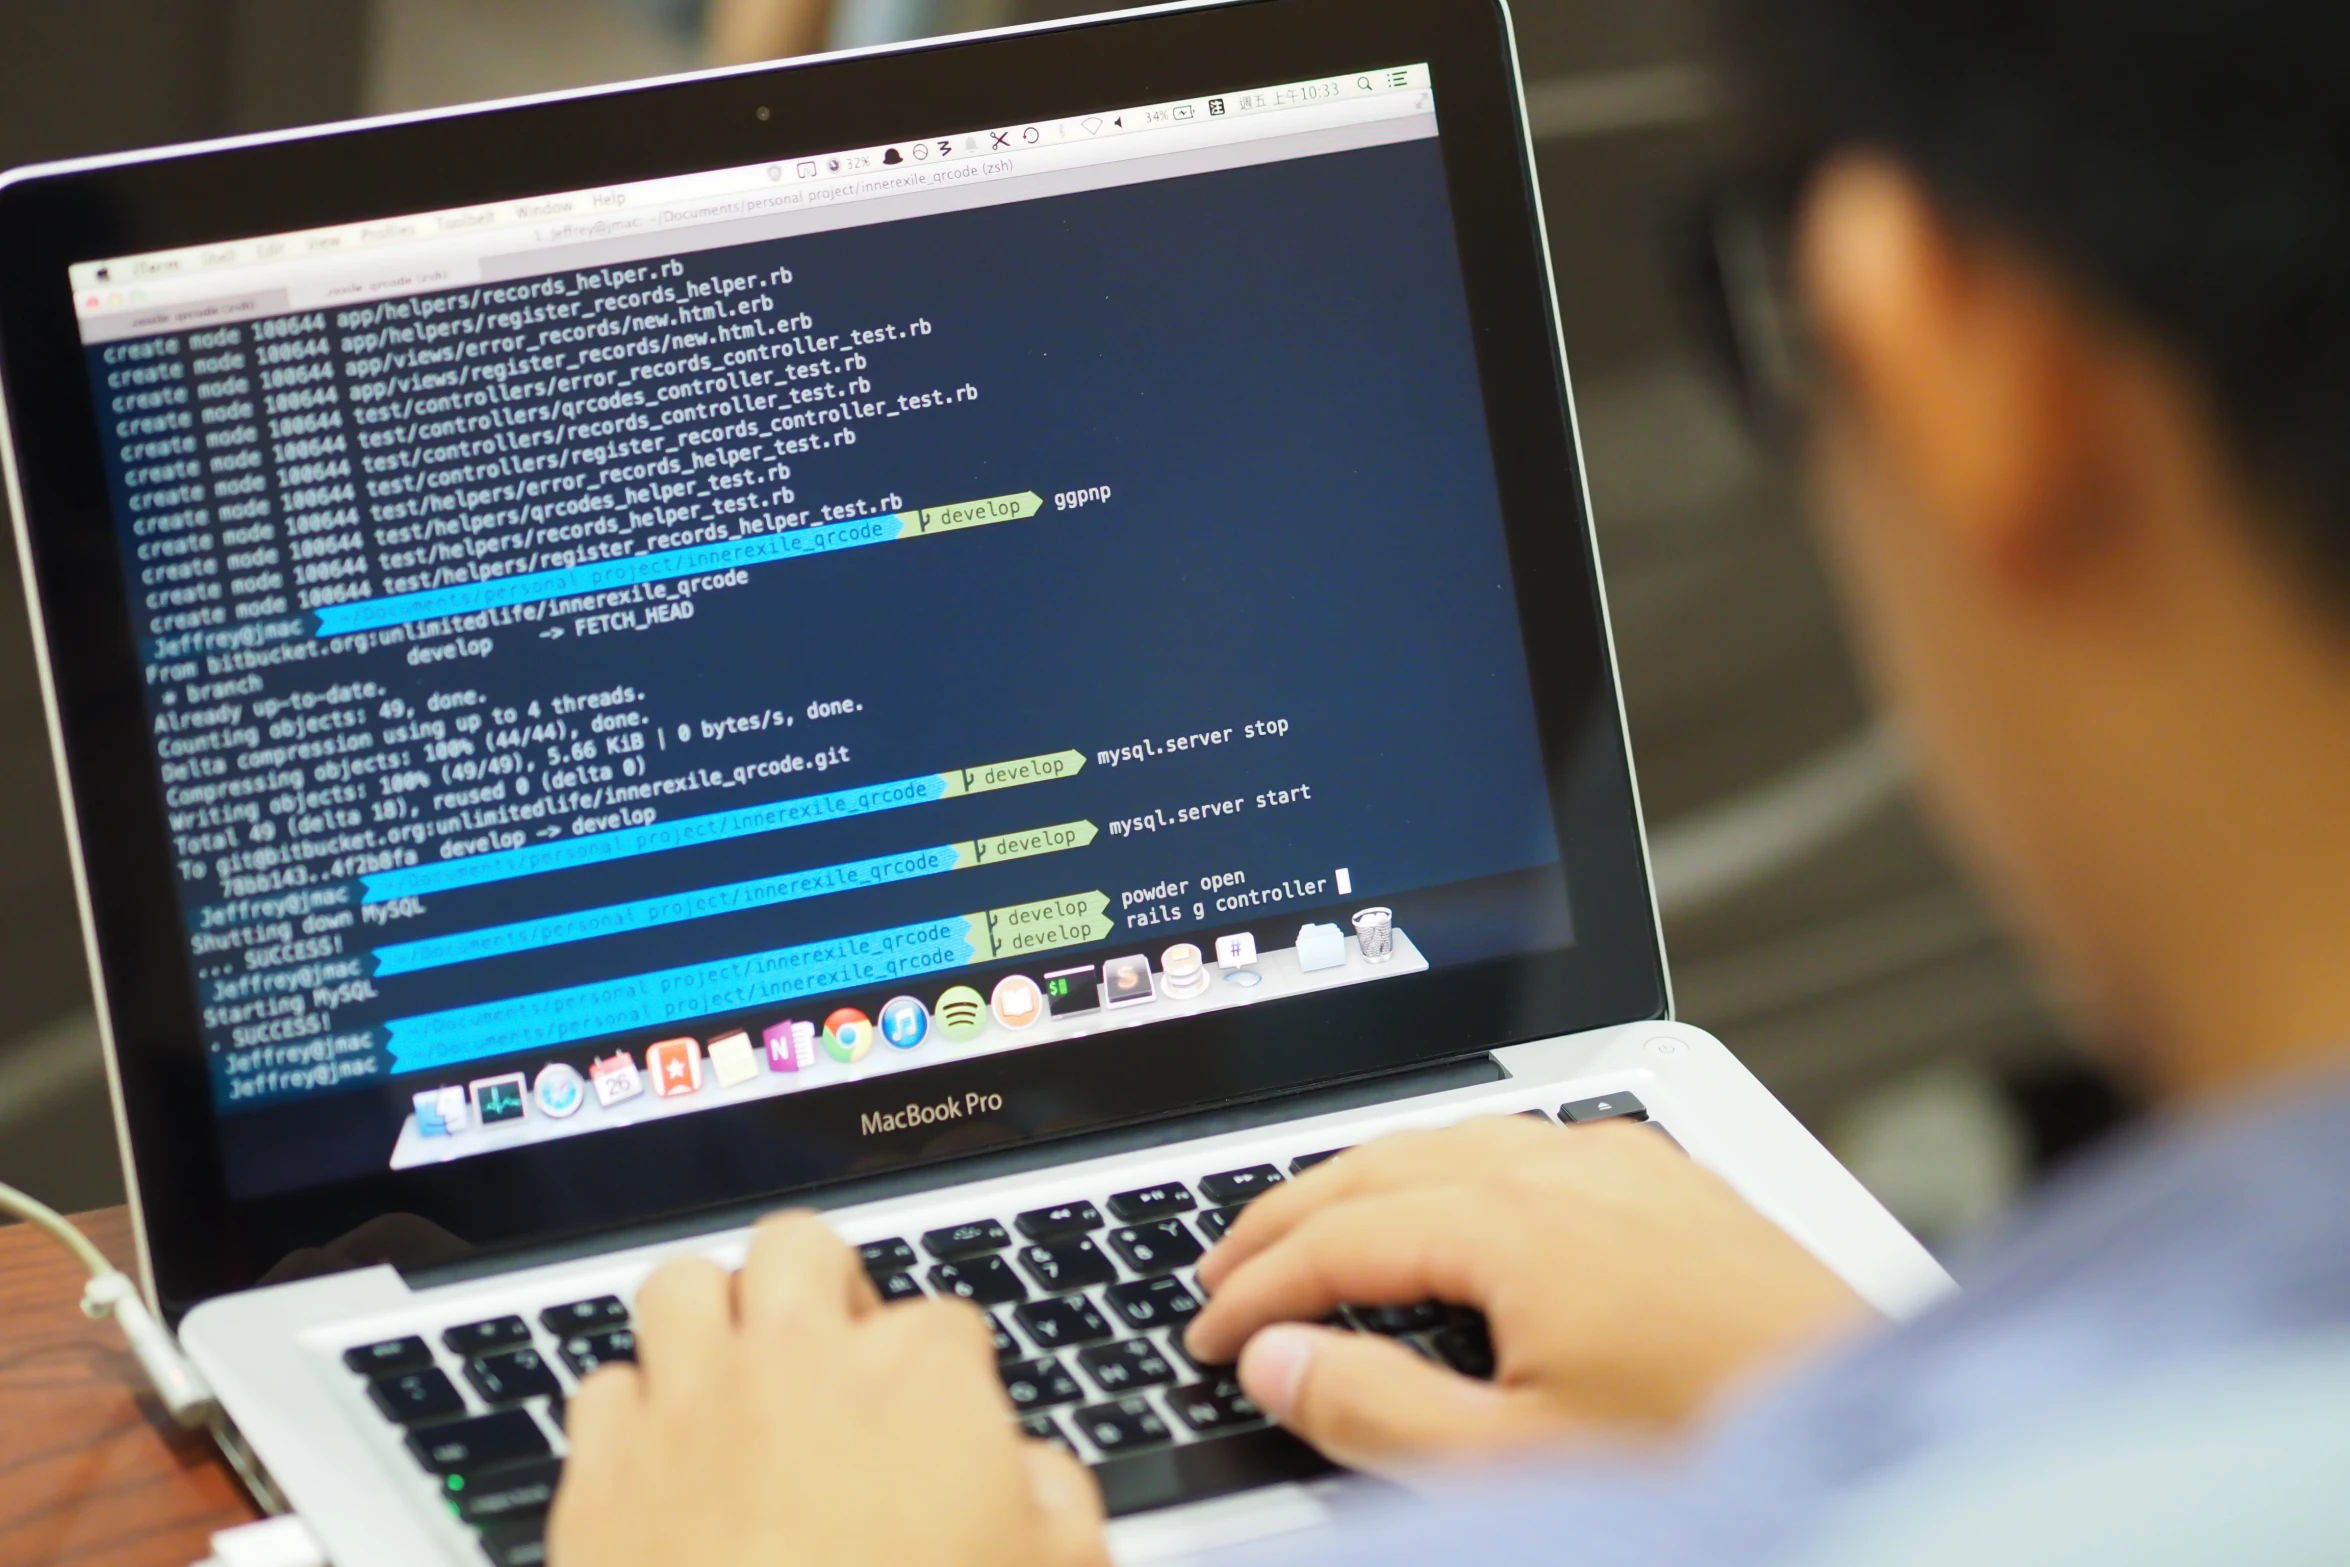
1626	1288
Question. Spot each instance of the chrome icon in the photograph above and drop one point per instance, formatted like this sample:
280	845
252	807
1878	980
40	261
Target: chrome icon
962	1014
905	1022
848	1035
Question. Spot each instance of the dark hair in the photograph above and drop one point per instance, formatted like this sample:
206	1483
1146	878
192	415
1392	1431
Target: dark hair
2187	160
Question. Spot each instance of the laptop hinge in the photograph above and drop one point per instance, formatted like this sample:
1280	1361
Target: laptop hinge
1384	1088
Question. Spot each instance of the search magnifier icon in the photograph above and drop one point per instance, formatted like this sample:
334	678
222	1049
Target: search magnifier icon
1362	84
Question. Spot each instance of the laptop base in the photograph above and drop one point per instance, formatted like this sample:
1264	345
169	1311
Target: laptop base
356	1475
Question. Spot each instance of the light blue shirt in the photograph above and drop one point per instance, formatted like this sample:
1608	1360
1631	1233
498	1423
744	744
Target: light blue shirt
2181	1244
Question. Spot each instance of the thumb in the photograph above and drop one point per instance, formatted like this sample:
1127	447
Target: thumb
1071	1507
1371	1403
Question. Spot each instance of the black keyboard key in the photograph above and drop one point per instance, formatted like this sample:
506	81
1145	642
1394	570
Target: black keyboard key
397	1354
987	1279
1215	1222
1159	1247
1145	1478
584	1316
1181	1353
411	1396
1059	1222
1466	1346
1152	1303
479	1338
958	1241
1235	1187
511	1376
1162	1201
584	1352
516	1542
464	1446
1393	1320
1006	1346
1124	1426
1058	1324
1306	1161
1608	1108
1041	1427
1129	1364
886	1257
516	1491
898	1286
1067	1265
1212	1407
1038	1384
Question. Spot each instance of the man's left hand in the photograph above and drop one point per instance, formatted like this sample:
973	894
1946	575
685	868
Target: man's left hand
783	1414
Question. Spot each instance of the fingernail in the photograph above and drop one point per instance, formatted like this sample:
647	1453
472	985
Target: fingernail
1273	1367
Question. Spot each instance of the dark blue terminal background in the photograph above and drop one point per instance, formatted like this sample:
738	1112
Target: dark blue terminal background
1271	369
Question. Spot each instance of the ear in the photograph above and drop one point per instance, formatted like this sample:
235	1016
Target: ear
1966	368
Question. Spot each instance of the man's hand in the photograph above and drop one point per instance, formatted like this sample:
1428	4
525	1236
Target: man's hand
783	1415
1625	1287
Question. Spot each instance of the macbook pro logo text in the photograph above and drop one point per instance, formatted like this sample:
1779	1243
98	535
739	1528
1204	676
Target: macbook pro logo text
875	1122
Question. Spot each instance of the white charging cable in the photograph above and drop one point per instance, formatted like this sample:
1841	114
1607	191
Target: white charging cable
283	1541
112	1293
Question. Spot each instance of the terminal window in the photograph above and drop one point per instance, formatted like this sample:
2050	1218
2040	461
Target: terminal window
550	669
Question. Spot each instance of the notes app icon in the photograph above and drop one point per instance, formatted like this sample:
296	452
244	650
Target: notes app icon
732	1059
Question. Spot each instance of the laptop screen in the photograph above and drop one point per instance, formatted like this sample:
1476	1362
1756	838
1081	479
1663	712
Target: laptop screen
629	653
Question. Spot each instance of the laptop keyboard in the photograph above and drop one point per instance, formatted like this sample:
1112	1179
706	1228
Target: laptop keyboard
1088	1302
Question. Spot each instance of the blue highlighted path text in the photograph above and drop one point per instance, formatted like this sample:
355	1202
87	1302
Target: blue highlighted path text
686	832
405	957
664	997
628	571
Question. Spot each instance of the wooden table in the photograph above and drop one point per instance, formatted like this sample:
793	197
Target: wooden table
90	1473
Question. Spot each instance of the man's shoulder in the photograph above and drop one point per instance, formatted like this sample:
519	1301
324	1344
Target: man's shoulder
2237	1458
2219	1220
2188	1240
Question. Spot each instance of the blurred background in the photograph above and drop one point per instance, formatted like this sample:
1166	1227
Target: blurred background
1812	923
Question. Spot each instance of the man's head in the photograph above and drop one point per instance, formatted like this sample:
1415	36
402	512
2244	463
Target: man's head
2078	277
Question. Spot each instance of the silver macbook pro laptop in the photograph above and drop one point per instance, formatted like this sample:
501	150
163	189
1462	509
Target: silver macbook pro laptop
999	637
